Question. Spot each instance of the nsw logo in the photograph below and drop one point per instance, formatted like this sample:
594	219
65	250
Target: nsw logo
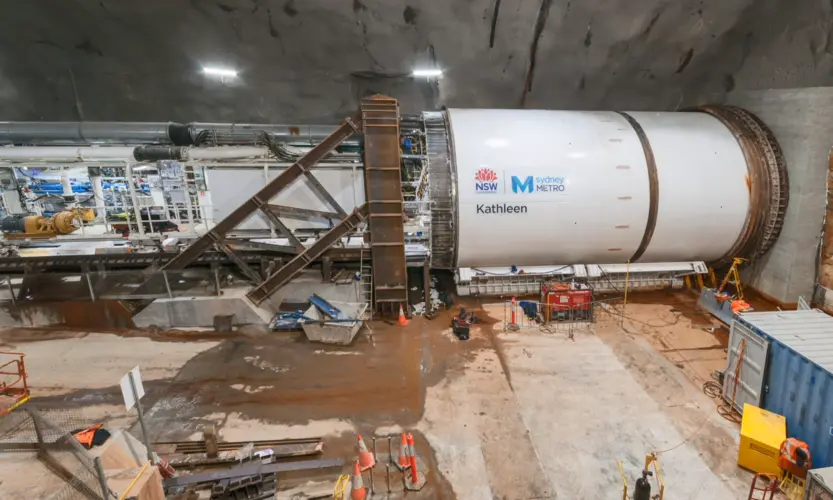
486	181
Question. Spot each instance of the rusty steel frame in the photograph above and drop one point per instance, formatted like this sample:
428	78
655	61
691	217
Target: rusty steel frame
302	260
303	213
383	192
768	182
260	200
378	120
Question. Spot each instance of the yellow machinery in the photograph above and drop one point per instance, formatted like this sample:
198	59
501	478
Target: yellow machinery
38	226
642	488
733	273
737	302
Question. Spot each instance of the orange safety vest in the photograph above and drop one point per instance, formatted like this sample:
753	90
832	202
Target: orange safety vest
86	436
791	459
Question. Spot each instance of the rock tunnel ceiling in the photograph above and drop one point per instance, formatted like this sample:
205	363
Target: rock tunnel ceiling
312	60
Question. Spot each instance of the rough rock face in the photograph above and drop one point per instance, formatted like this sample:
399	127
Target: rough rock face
310	60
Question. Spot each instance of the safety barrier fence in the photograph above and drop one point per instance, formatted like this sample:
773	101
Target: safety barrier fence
48	433
527	315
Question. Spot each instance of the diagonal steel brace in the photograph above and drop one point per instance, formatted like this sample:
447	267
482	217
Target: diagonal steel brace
302	260
262	197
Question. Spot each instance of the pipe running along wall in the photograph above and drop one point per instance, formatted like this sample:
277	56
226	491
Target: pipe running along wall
167	133
129	153
529	187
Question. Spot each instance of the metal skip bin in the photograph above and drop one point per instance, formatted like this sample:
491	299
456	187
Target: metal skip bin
787	367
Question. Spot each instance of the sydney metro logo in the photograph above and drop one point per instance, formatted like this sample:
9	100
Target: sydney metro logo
486	181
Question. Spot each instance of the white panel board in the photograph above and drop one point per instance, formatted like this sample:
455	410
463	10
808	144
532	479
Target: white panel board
547	187
127	390
232	186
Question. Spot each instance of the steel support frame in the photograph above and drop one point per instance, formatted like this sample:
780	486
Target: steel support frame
260	201
303	213
302	260
379	121
383	191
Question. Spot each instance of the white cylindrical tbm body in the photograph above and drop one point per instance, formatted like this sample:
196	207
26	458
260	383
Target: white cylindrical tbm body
534	187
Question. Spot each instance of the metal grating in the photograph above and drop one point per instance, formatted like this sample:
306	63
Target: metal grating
442	191
49	433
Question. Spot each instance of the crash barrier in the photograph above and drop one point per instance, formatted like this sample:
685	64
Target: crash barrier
525	315
49	433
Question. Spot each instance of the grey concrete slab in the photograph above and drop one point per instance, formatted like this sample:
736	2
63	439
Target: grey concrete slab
585	411
183	312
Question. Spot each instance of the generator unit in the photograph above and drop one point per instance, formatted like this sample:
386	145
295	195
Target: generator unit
564	302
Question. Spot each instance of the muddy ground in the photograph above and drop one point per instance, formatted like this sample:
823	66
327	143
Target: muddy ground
516	416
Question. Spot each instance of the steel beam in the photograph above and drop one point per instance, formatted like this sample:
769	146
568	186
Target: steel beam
65	263
262	197
322	191
383	191
281	227
302	260
303	213
247	271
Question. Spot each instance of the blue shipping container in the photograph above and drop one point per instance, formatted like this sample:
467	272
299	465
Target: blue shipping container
798	379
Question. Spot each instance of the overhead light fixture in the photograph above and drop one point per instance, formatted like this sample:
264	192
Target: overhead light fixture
428	73
230	73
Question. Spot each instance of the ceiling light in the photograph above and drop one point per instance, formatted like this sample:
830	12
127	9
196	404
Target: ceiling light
428	73
231	73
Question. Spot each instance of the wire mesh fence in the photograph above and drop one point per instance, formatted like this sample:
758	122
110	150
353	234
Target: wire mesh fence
49	434
528	315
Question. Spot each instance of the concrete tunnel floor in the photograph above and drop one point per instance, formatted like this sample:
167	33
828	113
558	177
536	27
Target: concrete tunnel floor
528	415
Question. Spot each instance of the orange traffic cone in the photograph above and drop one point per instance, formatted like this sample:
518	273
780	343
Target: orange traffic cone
404	462
403	321
416	480
412	458
366	459
357	490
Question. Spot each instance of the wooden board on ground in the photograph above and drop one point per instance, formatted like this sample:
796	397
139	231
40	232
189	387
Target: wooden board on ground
148	486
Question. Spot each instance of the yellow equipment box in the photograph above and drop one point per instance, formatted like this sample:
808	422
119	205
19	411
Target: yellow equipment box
761	435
